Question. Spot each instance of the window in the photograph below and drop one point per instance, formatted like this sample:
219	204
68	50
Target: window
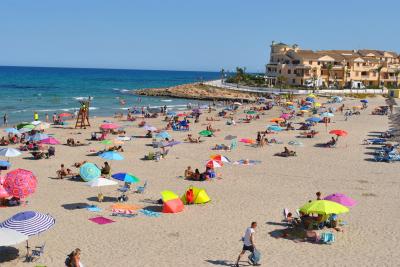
310	62
289	71
293	80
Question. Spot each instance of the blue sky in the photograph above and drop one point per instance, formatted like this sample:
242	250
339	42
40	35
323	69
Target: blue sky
186	34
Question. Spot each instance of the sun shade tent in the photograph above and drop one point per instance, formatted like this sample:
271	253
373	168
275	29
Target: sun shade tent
172	202
200	196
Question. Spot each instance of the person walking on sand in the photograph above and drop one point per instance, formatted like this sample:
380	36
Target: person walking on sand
248	242
5	119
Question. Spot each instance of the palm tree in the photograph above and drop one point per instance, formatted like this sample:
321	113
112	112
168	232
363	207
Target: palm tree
239	76
396	75
329	67
378	70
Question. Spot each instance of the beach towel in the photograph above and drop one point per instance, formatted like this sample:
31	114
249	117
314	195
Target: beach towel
101	220
93	208
249	162
150	213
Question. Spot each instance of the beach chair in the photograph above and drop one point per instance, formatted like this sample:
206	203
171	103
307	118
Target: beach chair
327	238
37	252
141	189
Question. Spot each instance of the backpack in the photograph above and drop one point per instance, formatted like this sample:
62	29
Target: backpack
190	196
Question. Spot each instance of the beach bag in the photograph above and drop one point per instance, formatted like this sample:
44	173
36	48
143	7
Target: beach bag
255	257
189	196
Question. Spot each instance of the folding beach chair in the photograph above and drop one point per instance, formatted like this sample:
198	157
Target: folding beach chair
37	252
141	189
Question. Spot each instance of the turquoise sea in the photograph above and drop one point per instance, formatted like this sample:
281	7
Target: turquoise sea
25	90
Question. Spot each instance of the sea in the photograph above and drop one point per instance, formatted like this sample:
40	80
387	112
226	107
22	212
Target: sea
25	90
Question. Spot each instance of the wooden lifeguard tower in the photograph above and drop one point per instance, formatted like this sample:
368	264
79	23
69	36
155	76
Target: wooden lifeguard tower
82	120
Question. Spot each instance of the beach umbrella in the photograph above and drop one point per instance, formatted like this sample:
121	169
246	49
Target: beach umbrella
65	114
230	137
341	199
305	107
183	123
38	137
10	152
313	119
22	124
20	183
220	158
111	155
50	141
181	114
364	101
247	141
24	130
214	164
171	113
125	177
289	103
29	222
338	132
12	131
277	120
284	116
291	107
42	126
327	115
89	171
98	182
251	112
310	99
171	143
163	135
311	95
150	128
317	105
274	128
323	207
109	126
205	133
237	104
10	237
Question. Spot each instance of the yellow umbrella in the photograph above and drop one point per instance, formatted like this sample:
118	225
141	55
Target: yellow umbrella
323	207
304	111
289	103
317	105
311	95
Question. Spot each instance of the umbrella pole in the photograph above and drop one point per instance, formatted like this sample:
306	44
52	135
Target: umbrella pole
27	258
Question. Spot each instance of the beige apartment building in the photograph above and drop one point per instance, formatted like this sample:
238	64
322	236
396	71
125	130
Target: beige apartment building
291	65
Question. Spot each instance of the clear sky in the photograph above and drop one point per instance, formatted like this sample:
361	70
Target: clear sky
186	34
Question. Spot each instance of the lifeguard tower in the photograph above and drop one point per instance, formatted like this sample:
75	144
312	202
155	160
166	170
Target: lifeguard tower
82	120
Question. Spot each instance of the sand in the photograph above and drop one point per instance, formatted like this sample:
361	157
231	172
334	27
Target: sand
209	235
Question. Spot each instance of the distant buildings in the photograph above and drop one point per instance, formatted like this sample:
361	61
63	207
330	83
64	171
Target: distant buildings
291	65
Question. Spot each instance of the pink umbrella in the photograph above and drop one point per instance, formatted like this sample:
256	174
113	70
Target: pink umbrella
109	126
65	114
285	116
341	199
20	183
49	141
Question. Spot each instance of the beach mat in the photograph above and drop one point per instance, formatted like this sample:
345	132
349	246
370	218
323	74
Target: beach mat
101	220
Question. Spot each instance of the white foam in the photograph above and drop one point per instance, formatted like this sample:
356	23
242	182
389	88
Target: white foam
166	100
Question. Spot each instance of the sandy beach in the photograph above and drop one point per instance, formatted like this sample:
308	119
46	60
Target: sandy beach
209	235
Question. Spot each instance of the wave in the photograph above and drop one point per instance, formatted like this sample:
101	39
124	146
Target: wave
166	100
121	90
82	97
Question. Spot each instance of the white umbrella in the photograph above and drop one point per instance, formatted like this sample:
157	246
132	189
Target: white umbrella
36	122
42	126
150	128
101	182
10	152
237	104
10	237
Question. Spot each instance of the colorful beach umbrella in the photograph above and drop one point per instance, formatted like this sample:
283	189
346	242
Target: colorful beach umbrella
364	101
126	177
38	137
12	131
277	119
205	133
341	199
163	135
111	155
89	171
247	141
313	119
109	126
10	152
29	222
338	132
20	183
23	124
171	113
50	141
214	164
10	237
274	128
323	207
220	158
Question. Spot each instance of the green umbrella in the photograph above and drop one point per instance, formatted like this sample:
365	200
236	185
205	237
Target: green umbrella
106	142
323	207
25	125
251	112
205	133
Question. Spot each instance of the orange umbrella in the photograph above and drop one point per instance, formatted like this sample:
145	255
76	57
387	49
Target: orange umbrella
277	120
338	132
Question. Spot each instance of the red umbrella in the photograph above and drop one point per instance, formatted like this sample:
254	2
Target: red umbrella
214	164
338	132
65	114
49	141
109	126
20	183
181	114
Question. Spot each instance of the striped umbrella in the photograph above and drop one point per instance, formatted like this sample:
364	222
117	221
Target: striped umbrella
20	183
214	164
89	171
29	222
10	152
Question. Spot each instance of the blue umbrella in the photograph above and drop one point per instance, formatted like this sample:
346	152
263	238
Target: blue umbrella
183	123
274	128
111	155
310	99
171	113
89	171
305	108
4	163
29	222
364	101
12	130
314	119
126	177
291	107
163	135
327	115
38	137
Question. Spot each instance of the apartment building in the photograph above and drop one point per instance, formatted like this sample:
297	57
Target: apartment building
290	65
